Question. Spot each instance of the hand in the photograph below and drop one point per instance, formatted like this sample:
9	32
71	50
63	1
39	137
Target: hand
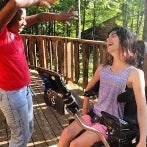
141	144
46	3
28	3
68	15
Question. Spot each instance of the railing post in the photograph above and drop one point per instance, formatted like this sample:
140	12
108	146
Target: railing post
96	57
85	48
76	61
42	51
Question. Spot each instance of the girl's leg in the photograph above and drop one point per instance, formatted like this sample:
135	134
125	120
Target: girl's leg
68	134
87	139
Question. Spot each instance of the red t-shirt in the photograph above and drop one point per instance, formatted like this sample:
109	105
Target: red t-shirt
14	71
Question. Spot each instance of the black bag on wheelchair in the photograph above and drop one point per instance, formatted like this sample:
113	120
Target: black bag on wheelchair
119	130
56	94
53	91
54	100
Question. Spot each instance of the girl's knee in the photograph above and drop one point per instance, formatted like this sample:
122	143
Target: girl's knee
67	133
70	132
75	143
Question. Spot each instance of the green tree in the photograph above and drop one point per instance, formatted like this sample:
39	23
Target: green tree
145	23
131	14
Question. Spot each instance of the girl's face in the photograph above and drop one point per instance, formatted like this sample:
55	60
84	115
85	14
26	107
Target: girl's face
113	43
17	24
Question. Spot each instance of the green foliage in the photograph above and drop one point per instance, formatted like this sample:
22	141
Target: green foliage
129	14
52	28
104	11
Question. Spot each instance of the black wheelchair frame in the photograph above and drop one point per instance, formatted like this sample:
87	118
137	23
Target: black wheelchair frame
121	133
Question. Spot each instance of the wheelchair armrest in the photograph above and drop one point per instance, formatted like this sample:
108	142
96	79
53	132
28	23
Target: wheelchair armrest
132	120
93	91
113	122
90	93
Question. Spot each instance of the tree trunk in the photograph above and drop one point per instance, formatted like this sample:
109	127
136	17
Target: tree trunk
145	23
124	14
78	22
83	24
94	20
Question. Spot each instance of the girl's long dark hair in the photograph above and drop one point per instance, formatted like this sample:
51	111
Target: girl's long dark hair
139	48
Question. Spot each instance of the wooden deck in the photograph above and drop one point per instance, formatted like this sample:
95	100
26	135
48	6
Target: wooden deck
48	123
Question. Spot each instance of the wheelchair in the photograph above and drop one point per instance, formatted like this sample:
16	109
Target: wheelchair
121	133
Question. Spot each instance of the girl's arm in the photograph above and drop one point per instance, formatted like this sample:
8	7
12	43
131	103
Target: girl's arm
90	85
138	84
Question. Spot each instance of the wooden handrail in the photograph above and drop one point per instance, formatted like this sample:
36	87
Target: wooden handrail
75	59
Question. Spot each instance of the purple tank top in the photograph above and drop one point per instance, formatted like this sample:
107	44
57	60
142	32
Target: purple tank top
111	85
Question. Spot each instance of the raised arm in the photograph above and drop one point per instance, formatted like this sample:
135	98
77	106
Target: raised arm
7	13
11	6
64	17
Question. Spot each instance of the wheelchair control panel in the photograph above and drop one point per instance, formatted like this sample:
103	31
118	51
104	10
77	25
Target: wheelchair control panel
114	122
119	130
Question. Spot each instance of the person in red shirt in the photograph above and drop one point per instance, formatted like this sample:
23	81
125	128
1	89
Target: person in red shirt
15	96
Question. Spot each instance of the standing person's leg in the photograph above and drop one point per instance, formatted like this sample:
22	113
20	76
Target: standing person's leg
30	112
17	107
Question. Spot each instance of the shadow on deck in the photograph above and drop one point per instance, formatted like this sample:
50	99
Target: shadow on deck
48	123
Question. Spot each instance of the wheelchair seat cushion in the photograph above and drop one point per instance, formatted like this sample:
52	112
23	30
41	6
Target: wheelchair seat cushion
98	126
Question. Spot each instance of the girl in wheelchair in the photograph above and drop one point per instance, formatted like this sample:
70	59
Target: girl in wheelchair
118	72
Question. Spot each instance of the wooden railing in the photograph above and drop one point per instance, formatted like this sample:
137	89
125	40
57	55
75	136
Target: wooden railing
75	59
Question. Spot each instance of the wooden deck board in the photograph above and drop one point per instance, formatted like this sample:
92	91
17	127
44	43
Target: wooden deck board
48	124
3	131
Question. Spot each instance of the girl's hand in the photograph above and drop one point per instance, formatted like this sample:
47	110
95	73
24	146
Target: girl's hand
141	144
